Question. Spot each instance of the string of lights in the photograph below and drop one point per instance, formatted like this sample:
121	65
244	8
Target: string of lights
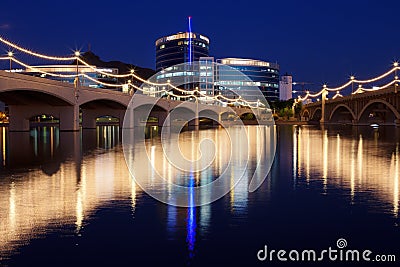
191	92
360	82
361	89
131	74
27	51
337	95
41	71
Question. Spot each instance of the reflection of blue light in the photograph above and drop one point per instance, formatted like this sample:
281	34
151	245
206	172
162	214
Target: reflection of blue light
190	39
191	219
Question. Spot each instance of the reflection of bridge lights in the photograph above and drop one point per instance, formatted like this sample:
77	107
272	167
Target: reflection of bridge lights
396	182
191	220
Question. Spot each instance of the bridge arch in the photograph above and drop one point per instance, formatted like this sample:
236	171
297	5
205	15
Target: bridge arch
96	108
228	115
248	117
182	115
209	116
24	96
362	116
335	115
104	102
25	103
149	113
316	115
305	114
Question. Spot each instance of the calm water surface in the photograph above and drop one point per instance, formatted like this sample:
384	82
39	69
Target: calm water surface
67	199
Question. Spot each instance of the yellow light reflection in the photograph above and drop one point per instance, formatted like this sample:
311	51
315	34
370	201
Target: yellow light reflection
360	159
299	145
12	208
3	147
79	211
295	151
358	164
133	194
352	171
308	157
325	159
396	183
338	155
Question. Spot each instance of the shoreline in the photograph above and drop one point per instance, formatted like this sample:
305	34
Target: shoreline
279	122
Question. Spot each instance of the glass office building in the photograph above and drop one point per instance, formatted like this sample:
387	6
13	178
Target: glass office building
263	76
176	49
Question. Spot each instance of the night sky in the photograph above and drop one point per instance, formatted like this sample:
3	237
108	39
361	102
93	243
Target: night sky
316	41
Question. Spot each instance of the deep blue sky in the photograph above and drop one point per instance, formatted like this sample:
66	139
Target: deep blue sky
316	41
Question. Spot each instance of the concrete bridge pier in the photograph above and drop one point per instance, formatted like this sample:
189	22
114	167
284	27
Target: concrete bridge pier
323	101
166	121
129	119
163	117
21	114
69	118
89	116
218	121
18	121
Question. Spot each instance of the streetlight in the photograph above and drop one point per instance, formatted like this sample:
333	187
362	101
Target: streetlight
352	83
76	82
395	64
132	72
10	55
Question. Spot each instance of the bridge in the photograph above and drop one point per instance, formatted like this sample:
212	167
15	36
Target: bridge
364	106
380	106
75	106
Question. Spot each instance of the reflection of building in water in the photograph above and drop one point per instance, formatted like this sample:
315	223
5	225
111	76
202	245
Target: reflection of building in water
32	202
361	164
214	152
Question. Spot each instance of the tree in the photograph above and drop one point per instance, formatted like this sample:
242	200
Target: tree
286	112
297	109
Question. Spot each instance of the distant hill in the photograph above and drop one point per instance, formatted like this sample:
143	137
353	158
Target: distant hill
123	68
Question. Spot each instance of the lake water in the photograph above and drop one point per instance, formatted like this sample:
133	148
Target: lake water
67	199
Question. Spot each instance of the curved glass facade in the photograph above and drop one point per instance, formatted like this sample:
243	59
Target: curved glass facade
264	75
175	49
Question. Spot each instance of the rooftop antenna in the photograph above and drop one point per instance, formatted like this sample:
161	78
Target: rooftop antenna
190	38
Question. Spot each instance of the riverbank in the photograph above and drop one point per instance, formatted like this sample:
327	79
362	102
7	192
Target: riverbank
294	122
